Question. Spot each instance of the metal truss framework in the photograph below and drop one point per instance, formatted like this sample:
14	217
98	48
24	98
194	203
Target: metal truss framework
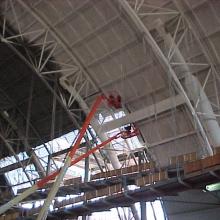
167	63
79	73
38	67
82	80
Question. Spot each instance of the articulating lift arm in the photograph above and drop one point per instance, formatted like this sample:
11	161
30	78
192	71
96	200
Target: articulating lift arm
53	191
41	183
69	162
63	170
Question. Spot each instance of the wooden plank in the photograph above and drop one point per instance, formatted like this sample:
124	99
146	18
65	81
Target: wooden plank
211	161
125	170
102	192
192	166
217	150
140	181
115	188
10	216
90	195
184	158
73	181
162	175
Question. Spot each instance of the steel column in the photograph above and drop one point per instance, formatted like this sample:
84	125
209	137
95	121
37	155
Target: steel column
43	213
166	65
143	211
41	183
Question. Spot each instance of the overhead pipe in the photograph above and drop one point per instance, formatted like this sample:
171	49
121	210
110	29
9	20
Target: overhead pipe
194	88
144	113
53	191
94	123
131	13
112	156
43	182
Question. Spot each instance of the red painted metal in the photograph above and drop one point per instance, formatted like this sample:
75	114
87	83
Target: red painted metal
85	125
129	134
41	183
74	148
114	101
53	175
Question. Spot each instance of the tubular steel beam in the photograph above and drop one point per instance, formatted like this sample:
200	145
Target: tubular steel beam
10	148
144	113
26	161
43	213
34	157
143	210
60	39
41	183
124	5
43	80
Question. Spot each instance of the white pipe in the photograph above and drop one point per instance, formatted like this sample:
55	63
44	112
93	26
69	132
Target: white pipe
111	154
38	164
18	199
144	113
209	119
194	90
166	66
45	209
95	125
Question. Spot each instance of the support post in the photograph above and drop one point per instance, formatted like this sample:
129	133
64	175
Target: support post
143	211
194	89
41	183
43	213
86	174
166	66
